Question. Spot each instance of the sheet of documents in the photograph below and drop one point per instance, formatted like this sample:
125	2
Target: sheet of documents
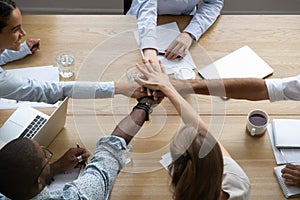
165	35
290	155
43	73
61	179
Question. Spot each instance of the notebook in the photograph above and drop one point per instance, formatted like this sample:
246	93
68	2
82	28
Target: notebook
288	191
242	63
283	155
286	133
33	124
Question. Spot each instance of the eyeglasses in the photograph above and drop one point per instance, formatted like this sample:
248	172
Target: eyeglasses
47	152
48	155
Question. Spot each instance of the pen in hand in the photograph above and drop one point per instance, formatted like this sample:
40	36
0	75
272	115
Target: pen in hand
163	54
79	158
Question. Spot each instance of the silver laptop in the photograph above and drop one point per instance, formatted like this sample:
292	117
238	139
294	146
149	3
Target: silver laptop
30	123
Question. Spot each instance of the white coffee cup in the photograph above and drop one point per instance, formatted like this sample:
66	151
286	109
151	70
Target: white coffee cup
257	121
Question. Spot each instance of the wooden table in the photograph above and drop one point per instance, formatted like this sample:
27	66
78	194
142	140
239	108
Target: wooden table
105	48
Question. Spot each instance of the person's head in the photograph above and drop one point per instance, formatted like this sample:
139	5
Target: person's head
11	31
197	166
24	169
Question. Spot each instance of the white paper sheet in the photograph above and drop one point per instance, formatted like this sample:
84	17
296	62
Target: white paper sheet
165	35
43	73
61	179
166	160
289	155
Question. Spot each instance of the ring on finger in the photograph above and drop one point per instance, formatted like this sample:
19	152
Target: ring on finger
79	159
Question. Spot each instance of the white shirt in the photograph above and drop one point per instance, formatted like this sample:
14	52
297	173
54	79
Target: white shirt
235	181
284	89
146	12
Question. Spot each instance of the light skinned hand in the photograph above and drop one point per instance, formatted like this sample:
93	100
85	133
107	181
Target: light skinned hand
130	90
179	47
33	44
150	54
291	174
155	76
69	160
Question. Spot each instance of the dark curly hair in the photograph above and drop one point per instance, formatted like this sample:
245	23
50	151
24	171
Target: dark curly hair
20	163
6	8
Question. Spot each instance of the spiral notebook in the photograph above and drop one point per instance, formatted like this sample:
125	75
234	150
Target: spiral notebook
288	191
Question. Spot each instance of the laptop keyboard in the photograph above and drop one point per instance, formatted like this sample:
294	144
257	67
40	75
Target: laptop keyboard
34	127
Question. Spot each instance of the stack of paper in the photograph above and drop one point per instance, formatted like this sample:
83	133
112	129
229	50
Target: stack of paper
287	139
286	133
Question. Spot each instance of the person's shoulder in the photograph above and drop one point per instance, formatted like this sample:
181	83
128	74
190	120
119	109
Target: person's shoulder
235	181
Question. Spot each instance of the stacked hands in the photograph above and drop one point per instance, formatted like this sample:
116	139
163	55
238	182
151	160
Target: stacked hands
154	84
154	79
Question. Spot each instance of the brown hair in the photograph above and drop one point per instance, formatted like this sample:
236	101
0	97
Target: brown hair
197	165
6	8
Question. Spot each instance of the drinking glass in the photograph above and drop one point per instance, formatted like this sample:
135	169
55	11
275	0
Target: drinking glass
66	63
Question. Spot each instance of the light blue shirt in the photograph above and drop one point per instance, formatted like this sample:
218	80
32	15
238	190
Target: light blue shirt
146	12
12	87
98	177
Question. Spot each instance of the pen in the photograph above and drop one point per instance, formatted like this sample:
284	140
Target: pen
163	53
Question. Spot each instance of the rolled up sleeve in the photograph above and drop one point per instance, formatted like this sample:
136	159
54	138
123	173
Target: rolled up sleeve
284	89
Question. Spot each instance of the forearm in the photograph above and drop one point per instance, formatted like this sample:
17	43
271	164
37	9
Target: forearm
184	109
237	88
16	88
9	55
56	168
204	17
130	125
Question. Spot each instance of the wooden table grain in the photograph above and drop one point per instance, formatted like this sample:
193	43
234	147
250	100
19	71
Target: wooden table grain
105	48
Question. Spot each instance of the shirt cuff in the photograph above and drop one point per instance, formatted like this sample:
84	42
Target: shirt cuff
275	89
25	49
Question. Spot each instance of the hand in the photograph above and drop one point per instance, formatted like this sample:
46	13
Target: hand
150	54
151	100
130	90
69	160
291	174
179	47
33	44
155	75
